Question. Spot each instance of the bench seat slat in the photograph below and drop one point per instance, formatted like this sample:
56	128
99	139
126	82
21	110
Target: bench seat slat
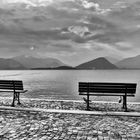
1	87
107	90
113	85
21	91
107	85
10	85
11	88
5	82
102	94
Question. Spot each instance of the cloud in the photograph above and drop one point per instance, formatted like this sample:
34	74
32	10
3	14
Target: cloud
79	30
127	12
32	48
107	33
34	26
69	27
61	47
124	46
39	18
6	12
34	3
88	5
29	2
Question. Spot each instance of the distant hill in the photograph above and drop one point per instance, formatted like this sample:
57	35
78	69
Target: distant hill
99	63
33	62
56	68
9	64
129	63
65	68
112	59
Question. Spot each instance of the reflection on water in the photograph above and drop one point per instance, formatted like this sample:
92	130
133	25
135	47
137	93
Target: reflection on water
57	84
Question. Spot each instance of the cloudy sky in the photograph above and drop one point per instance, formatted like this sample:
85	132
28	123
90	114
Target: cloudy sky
73	31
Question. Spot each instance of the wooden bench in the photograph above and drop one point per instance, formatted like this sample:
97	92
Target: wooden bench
14	86
107	89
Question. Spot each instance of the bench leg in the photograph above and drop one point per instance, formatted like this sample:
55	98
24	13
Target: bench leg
125	103
18	99
14	97
87	101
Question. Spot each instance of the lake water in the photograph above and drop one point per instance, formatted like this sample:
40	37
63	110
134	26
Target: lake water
63	84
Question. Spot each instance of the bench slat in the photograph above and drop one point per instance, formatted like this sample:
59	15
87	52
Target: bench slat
113	85
106	83
4	87
12	88
102	94
10	81
107	86
11	84
108	90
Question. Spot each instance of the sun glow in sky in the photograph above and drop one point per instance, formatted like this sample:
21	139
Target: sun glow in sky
73	31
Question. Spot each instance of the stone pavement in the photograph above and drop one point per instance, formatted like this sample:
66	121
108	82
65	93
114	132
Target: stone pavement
84	112
35	125
71	105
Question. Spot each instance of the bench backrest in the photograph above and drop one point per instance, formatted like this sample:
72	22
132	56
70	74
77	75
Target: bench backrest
118	88
11	85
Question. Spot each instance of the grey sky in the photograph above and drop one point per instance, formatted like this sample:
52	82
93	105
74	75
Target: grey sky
73	31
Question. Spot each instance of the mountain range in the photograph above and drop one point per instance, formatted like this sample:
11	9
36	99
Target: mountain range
129	63
9	64
99	63
30	62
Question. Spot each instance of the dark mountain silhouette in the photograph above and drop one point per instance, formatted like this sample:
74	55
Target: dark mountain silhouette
99	63
65	68
33	62
112	59
56	68
129	63
9	64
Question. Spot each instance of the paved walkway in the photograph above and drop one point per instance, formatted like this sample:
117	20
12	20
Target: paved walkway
37	124
103	113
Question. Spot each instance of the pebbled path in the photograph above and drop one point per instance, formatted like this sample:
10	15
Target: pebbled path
29	125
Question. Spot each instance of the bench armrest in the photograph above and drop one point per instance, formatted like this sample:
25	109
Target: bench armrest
21	91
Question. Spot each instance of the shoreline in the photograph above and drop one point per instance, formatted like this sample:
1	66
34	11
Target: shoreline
70	104
65	100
